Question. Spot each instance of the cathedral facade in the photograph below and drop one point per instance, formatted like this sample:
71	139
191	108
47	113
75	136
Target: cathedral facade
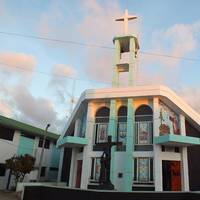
159	133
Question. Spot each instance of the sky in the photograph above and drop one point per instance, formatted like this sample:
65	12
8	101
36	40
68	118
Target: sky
39	77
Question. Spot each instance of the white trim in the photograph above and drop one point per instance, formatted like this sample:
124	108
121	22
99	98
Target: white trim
137	91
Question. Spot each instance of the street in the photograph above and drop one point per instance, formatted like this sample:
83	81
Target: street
5	195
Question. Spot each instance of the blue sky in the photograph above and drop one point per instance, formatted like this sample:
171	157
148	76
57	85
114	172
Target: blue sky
165	27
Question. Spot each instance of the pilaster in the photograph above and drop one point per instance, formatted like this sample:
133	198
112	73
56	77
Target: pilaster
129	165
72	168
115	78
132	63
60	164
184	157
86	165
157	148
112	130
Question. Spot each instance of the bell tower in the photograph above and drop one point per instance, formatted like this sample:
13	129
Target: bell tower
125	56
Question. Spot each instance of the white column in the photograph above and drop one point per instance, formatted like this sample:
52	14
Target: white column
184	157
72	168
77	127
86	166
60	164
157	148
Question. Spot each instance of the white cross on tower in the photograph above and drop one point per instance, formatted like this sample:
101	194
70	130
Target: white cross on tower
125	18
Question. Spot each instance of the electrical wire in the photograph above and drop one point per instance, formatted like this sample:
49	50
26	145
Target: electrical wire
48	74
93	45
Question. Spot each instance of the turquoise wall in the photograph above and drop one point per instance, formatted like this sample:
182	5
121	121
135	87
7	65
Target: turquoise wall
55	157
26	146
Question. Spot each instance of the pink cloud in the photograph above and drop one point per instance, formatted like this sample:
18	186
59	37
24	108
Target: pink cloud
178	40
63	70
17	64
5	109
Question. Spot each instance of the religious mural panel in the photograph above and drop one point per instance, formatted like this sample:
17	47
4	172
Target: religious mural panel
122	130
102	133
169	120
143	133
143	169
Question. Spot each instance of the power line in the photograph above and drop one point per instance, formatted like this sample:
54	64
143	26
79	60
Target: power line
93	45
56	40
48	74
170	56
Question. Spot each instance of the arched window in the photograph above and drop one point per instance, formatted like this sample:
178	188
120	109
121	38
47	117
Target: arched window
144	113
101	124
144	127
102	115
122	114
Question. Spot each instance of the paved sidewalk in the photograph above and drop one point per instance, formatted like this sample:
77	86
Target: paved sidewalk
5	195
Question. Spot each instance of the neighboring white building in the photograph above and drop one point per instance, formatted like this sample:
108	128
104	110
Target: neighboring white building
17	138
159	131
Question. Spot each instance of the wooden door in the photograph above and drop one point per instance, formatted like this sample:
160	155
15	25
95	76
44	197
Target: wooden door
78	173
175	175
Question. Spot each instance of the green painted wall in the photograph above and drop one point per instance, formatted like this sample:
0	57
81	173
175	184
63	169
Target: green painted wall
112	130
55	157
115	79
26	146
128	176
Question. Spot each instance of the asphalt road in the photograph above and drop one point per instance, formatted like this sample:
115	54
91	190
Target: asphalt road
4	195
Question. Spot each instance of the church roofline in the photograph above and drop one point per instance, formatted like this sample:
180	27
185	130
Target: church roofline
164	92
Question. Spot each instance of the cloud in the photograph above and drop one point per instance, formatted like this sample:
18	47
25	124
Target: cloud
60	83
179	40
63	70
191	95
93	24
100	17
20	60
5	109
19	64
37	111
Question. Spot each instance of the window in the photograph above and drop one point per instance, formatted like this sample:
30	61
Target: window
101	132
144	132
27	135
2	169
43	172
6	133
143	170
46	145
53	169
95	171
101	125
122	130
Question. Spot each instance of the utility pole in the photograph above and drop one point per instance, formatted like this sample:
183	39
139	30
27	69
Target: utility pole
42	152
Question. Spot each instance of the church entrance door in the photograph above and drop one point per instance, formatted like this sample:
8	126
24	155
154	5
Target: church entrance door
78	173
171	175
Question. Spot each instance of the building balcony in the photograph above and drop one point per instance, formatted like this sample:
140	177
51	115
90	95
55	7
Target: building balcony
72	141
176	140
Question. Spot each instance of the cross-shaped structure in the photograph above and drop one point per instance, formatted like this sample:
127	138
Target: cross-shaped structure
125	18
104	179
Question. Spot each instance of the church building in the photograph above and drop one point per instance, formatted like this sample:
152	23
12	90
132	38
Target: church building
158	131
